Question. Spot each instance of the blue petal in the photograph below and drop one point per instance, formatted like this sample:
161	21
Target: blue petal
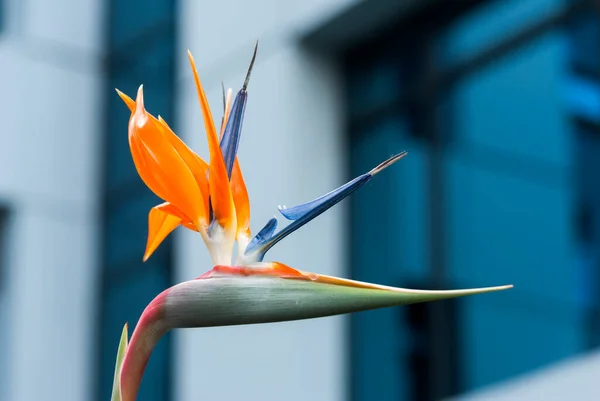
302	214
324	202
233	130
263	235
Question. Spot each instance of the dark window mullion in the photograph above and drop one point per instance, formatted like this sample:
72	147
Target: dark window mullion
584	35
139	50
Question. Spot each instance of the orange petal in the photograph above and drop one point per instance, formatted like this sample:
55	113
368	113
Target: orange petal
195	163
141	158
160	224
284	271
143	162
128	101
261	269
172	210
160	166
241	200
220	192
138	153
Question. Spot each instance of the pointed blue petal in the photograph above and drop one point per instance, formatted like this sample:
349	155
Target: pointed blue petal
302	214
233	130
263	235
326	201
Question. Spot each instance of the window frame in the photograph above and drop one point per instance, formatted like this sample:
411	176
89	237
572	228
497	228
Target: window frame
420	100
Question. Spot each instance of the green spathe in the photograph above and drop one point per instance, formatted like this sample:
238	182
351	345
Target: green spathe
233	300
116	391
267	293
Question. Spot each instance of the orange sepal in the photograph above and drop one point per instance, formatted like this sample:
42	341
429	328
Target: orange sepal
195	163
143	163
263	269
160	166
220	192
129	102
139	154
241	199
172	210
284	271
160	224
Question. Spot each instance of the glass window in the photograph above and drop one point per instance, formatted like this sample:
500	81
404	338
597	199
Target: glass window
140	51
154	69
583	98
490	24
584	35
372	87
508	197
392	251
127	229
124	301
491	203
515	106
400	197
584	102
134	18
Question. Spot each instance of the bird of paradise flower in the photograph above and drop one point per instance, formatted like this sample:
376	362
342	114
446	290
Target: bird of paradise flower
211	198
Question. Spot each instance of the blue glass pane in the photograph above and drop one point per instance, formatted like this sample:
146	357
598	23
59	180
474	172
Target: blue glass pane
492	23
507	334
588	174
588	163
389	213
389	246
124	302
127	229
505	227
132	18
155	61
516	105
372	87
510	206
584	32
141	51
381	78
583	96
154	69
120	170
509	199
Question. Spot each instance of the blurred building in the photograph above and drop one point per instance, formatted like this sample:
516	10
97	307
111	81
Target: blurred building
51	94
575	377
497	102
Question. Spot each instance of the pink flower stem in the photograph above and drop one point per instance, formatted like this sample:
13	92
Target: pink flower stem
150	328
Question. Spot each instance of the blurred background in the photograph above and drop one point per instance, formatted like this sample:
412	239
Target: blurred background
497	103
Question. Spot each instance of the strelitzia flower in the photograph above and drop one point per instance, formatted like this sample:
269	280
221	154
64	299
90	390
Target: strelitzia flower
211	198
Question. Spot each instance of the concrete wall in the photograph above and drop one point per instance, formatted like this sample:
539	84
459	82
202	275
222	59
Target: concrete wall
292	150
49	75
572	379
